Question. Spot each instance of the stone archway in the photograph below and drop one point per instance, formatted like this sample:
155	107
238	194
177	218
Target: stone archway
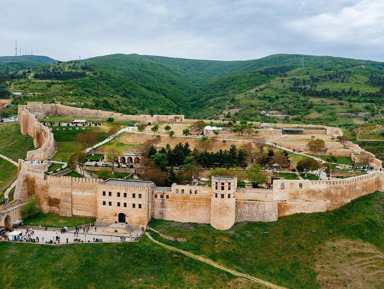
121	218
130	160
123	161
137	160
7	222
149	123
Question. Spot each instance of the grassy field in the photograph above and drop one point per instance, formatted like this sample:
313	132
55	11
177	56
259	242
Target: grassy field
284	252
110	175
309	177
89	119
8	174
286	176
65	140
54	167
52	220
14	144
121	265
375	147
74	175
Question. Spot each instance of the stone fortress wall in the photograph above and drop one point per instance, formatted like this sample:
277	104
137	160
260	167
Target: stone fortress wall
216	205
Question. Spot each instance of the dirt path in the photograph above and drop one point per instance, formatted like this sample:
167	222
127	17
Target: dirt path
221	267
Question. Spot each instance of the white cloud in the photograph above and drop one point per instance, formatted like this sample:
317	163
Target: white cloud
208	29
361	24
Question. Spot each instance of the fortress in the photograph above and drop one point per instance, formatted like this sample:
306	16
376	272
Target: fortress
136	202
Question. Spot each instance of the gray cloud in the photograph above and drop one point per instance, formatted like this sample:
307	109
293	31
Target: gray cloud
205	29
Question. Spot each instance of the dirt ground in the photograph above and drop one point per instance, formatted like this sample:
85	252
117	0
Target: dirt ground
350	264
133	141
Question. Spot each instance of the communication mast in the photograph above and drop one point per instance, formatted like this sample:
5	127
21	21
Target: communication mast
15	47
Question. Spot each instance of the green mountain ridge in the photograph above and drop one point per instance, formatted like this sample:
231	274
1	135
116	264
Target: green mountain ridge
287	83
17	63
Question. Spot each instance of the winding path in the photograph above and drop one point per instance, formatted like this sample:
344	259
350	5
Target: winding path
14	183
216	265
9	160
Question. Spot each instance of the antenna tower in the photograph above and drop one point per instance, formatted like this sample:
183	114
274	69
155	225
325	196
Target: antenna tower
15	47
302	61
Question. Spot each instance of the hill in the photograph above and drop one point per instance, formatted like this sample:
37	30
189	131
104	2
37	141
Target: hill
327	250
17	63
309	89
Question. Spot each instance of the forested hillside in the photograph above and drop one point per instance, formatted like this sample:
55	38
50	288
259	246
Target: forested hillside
309	89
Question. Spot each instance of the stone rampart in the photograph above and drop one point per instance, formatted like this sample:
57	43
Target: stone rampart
305	196
183	204
46	110
43	138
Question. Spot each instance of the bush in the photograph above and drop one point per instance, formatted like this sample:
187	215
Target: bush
31	208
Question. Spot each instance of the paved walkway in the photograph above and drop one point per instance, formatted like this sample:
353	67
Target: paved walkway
50	235
216	265
9	159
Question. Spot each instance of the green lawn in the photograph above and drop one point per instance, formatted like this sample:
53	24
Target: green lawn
52	220
95	157
8	174
13	143
65	140
110	175
286	176
54	167
309	177
119	265
74	175
285	251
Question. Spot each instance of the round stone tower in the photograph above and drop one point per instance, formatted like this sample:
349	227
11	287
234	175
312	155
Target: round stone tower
223	202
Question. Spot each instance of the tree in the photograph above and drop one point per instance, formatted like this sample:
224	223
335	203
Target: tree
216	132
152	173
260	143
256	175
87	139
197	127
110	119
248	131
316	145
306	165
186	132
365	158
141	127
77	160
155	128
342	138
171	133
30	208
161	161
187	173
167	128
280	159
112	155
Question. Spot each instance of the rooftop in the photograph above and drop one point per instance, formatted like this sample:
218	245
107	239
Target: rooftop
131	183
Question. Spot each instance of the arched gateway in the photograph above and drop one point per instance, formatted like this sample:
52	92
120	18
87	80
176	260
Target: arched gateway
121	218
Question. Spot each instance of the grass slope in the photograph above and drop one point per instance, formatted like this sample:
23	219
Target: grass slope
14	144
283	252
16	63
8	174
124	265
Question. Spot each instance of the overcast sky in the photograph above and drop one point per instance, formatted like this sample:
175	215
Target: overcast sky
201	29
